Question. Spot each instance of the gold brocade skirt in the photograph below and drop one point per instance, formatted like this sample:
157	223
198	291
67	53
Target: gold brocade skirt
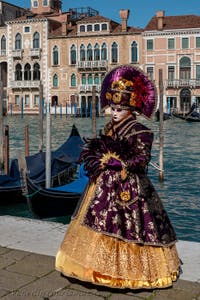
104	260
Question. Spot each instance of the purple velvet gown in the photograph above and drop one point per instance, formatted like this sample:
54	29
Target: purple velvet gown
121	235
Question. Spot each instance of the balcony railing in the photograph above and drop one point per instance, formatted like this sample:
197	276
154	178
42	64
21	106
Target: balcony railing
3	52
179	83
17	53
25	84
88	88
35	52
93	64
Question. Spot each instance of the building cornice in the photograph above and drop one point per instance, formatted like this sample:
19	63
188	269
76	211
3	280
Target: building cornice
171	32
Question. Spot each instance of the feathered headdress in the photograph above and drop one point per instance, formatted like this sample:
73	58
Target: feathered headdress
127	86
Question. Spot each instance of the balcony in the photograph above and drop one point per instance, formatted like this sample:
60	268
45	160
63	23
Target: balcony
181	83
93	65
35	53
3	52
17	53
88	88
25	84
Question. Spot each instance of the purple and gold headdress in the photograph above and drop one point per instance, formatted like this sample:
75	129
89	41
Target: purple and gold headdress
128	86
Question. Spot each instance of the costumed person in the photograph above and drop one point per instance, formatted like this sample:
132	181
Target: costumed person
121	235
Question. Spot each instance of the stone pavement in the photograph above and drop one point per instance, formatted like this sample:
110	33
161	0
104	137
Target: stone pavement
29	273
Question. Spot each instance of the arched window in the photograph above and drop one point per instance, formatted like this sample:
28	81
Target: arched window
18	41
18	72
73	80
55	80
83	79
3	43
36	71
185	68
114	53
36	40
73	55
82	53
90	81
104	55
89	52
96	78
27	72
134	52
96	52
55	55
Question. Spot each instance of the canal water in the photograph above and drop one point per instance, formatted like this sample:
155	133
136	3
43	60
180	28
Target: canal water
180	189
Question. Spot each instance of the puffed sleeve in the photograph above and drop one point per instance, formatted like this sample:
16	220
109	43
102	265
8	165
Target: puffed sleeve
140	156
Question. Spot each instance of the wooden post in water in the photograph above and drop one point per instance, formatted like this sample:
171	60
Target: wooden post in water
1	129
161	172
41	118
26	140
7	149
94	129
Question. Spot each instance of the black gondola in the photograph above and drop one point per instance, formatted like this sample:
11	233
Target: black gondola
57	201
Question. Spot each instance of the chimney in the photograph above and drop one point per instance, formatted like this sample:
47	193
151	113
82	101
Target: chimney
64	28
124	14
160	17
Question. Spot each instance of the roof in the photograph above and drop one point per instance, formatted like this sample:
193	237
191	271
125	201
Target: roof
175	22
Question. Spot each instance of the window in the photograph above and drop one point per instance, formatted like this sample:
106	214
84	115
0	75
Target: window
73	55
150	73
96	27
198	42
55	80
89	52
82	28
18	72
104	26
36	100
73	80
26	29
90	81
3	43
27	100
134	52
18	41
27	72
17	100
82	53
36	40
96	52
104	52
171	43
45	2
149	45
114	53
35	3
185	43
96	79
171	73
89	27
185	68
83	79
36	71
55	55
197	71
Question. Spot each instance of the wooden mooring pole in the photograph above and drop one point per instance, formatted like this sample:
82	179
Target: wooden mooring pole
161	172
41	118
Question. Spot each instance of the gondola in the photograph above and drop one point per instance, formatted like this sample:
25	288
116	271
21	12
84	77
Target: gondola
192	117
12	186
56	201
166	116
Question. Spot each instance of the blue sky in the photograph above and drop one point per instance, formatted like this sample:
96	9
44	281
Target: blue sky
141	11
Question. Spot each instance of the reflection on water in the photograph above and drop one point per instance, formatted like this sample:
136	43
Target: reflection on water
180	189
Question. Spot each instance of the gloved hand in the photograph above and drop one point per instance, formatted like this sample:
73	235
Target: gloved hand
113	164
